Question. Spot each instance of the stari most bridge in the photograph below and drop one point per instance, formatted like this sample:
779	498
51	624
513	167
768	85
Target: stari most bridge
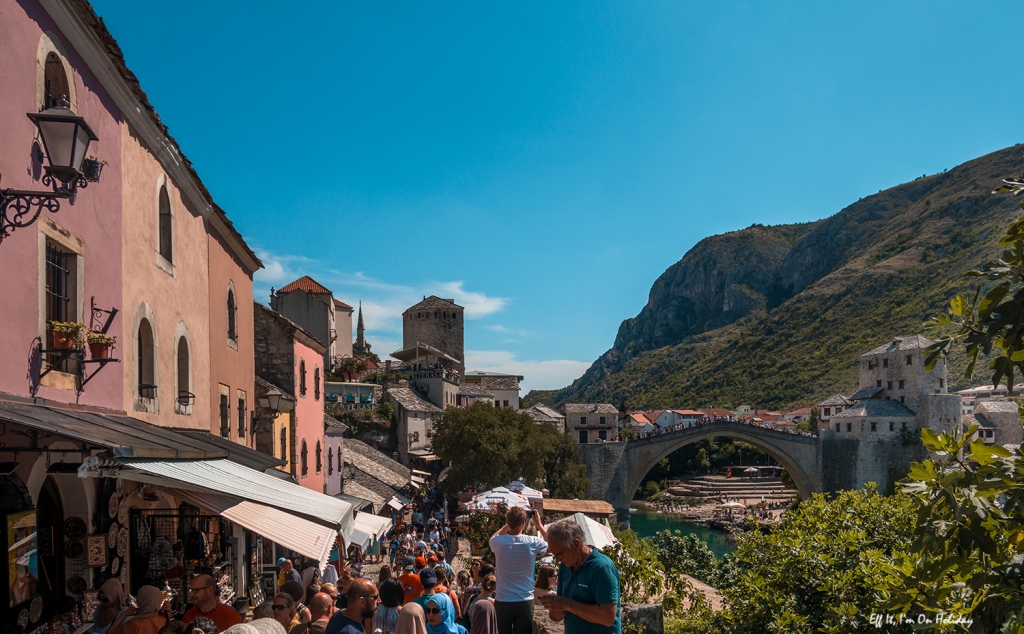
617	469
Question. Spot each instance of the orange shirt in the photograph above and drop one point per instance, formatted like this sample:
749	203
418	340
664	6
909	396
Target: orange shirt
222	615
411	583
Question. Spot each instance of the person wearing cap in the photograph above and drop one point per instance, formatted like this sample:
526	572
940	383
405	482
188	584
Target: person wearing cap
428	580
410	581
286	572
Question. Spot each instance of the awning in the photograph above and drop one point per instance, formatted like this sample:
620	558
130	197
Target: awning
418	480
303	536
361	539
595	533
374	525
396	503
358	504
229	478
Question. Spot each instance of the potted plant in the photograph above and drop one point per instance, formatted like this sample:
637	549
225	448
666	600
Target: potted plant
100	344
66	335
91	168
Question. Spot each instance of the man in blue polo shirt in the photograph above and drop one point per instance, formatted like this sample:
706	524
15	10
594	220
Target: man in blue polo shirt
588	584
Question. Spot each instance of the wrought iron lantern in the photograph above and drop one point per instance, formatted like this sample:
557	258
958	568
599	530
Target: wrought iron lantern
66	138
275	401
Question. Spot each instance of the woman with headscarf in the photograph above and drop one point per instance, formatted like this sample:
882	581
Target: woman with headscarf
112	606
411	620
441	616
148	618
483	618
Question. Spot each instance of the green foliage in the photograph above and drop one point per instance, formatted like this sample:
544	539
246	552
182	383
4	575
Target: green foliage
650	489
818	571
348	368
689	555
488	446
965	558
385	411
480	528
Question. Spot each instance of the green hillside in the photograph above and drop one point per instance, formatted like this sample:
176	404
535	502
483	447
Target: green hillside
776	317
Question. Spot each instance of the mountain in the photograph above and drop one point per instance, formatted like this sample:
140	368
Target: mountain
776	316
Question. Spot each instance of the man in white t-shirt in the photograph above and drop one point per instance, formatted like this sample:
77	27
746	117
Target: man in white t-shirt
515	556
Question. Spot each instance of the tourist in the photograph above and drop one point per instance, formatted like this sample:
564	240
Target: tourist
294	590
410	581
321	608
515	557
284	611
442	562
588	584
463	580
444	588
483	571
547	580
202	624
148	617
362	604
112	606
385	618
483	619
486	594
428	580
441	616
411	620
383	574
286	572
205	602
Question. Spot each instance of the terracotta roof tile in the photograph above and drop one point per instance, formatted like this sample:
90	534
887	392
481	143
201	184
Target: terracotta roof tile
304	283
342	304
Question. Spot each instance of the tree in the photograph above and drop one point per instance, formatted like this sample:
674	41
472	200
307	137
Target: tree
819	570
566	476
487	446
349	367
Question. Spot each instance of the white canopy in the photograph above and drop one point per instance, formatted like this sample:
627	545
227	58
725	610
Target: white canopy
529	492
372	525
490	500
597	534
731	505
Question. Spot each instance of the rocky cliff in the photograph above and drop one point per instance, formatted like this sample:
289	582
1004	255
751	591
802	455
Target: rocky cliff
776	316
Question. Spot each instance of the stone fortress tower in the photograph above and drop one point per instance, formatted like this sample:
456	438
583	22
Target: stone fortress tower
436	322
877	435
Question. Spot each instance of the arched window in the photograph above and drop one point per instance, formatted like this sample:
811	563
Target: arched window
330	461
304	459
302	377
319	458
55	82
284	444
147	360
232	317
166	235
185	395
316	383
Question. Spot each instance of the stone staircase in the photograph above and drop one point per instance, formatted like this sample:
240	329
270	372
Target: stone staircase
717	486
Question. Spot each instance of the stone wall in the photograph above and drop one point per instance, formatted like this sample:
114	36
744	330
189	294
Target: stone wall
274	348
444	333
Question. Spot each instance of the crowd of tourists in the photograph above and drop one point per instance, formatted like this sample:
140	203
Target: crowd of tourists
710	420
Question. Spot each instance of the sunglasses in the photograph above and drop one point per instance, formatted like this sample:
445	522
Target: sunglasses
432	610
280	607
371	597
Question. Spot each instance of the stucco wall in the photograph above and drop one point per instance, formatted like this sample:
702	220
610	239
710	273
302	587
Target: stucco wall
172	295
332	476
94	219
309	416
232	362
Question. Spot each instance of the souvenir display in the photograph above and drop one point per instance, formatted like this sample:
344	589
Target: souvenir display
112	506
124	575
23	618
97	549
73	549
122	512
115	565
77	585
112	536
35	609
74	528
120	486
122	542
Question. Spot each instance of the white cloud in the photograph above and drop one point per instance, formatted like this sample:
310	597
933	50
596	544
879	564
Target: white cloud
519	332
538	375
477	304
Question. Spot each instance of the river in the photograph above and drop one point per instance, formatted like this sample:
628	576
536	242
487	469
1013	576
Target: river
647	523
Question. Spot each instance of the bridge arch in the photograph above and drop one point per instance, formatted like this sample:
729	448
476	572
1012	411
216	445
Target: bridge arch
797	454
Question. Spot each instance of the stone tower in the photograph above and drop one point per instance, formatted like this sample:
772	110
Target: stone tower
360	347
436	322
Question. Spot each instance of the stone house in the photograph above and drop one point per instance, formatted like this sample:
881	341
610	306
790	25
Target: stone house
415	422
313	307
832	406
504	388
369	474
981	393
592	422
999	421
541	413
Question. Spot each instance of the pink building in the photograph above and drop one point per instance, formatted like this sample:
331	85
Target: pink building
67	265
289	357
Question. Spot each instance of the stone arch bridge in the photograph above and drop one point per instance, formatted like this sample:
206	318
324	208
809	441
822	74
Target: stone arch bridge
816	464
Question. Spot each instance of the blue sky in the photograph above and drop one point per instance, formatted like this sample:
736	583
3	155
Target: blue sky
543	163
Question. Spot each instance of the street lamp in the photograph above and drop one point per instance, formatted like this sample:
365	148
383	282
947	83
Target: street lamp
66	137
275	400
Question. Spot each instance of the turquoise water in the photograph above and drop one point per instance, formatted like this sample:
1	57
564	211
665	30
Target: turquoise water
647	523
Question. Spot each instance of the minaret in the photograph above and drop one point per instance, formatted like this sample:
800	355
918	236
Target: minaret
360	347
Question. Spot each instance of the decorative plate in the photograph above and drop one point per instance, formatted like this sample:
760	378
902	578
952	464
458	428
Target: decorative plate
112	506
74	528
77	585
74	550
120	486
124	575
35	609
115	565
122	541
23	618
122	512
112	536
